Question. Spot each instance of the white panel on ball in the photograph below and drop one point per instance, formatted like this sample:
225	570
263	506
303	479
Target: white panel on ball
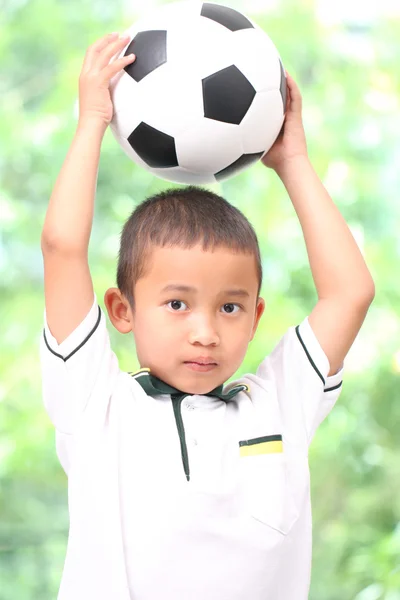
171	100
256	56
217	51
125	121
262	123
209	146
201	49
180	175
125	94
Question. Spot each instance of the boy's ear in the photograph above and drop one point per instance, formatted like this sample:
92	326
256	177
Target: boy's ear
118	309
260	307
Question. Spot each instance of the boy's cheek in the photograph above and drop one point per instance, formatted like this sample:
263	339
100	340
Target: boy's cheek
160	328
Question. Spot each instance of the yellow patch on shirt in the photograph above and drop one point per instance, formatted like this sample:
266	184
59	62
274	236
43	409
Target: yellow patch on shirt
270	444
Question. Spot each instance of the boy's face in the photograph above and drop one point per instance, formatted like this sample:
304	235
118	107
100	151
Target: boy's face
194	305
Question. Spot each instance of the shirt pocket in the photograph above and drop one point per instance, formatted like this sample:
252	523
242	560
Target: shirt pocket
264	480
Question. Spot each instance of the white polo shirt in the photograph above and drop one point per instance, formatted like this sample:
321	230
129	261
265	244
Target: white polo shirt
235	522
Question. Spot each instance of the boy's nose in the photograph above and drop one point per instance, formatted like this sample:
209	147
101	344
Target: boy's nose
204	333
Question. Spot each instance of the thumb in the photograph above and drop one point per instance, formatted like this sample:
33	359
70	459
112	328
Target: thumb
294	93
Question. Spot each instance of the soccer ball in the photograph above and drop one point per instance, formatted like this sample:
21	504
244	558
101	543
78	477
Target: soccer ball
205	97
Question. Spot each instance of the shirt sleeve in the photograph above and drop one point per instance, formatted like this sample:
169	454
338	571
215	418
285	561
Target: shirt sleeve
83	367
298	368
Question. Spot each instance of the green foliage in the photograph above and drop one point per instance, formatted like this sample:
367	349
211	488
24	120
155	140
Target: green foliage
350	97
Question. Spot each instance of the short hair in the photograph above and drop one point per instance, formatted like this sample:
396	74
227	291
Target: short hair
181	217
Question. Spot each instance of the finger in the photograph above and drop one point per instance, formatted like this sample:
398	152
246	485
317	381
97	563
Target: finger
295	95
97	47
113	49
117	65
103	42
287	103
281	132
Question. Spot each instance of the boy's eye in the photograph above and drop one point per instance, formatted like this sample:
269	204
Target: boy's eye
230	308
176	305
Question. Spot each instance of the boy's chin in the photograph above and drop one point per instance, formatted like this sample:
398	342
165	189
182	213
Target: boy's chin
198	381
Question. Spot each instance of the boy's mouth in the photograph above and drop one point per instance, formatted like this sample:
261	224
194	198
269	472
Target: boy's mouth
201	364
202	360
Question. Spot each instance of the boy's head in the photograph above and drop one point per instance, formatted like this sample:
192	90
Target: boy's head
189	276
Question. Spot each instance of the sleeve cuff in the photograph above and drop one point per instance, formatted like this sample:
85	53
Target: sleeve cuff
76	337
317	356
335	380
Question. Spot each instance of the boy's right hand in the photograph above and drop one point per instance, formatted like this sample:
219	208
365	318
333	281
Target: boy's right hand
95	102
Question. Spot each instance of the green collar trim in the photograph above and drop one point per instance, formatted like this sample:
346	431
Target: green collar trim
154	386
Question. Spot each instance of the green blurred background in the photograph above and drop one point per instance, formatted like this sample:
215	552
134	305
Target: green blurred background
344	56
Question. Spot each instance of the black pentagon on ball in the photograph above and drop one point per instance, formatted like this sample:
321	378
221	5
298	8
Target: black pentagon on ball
156	148
228	17
150	48
283	86
227	95
243	161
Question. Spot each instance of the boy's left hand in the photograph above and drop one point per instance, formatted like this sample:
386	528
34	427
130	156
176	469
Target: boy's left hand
291	141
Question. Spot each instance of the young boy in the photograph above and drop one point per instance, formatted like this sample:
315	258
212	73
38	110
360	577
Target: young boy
181	488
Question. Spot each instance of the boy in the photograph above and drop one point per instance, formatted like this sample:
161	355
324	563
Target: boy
180	488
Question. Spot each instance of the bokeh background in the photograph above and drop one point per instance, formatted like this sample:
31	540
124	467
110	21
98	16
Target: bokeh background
344	56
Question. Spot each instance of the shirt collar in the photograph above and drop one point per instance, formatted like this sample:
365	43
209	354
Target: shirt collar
154	387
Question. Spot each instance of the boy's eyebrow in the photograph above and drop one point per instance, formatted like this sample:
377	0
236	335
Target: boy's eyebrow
174	287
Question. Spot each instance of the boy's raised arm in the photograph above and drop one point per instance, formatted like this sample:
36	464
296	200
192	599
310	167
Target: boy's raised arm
343	282
66	231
